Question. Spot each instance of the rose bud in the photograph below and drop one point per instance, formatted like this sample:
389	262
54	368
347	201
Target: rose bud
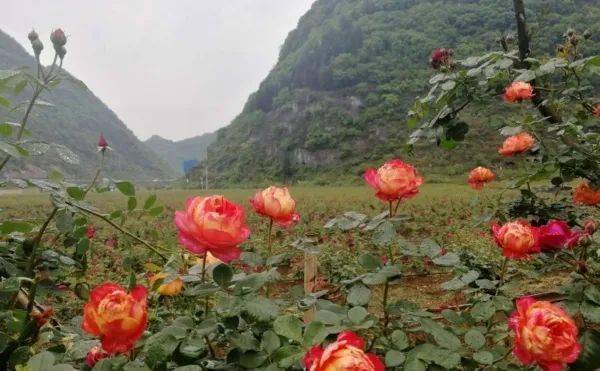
557	234
516	144
518	91
90	232
94	355
58	38
172	288
394	180
544	334
479	176
346	353
440	57
37	47
118	317
516	239
62	51
584	194
32	36
590	226
212	224
597	110
102	144
276	204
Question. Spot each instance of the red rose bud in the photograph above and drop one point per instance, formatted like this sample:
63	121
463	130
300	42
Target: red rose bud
597	110
557	234
33	36
94	355
102	143
440	57
58	38
544	334
90	232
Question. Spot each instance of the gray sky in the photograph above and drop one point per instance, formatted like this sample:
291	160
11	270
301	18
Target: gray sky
176	68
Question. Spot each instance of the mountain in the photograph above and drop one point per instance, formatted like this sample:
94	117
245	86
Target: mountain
75	119
175	153
337	98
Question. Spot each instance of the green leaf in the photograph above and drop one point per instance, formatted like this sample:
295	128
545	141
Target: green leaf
441	336
245	341
359	294
12	150
150	201
369	261
447	260
261	308
6	129
483	311
288	326
252	360
270	342
357	314
394	358
126	188
222	275
156	211
9	226
131	203
288	355
589	358
590	312
10	285
384	233
76	193
592	293
314	334
474	339
484	357
400	340
327	317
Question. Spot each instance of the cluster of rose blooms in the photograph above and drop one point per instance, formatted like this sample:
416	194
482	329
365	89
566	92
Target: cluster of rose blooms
213	227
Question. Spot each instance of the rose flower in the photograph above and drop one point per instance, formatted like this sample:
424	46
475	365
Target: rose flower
516	144
394	180
276	204
479	176
346	353
516	239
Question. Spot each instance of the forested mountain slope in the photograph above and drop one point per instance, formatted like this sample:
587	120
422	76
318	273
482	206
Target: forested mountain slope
176	153
337	98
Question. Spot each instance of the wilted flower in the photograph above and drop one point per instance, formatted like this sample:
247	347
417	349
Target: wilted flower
516	239
479	176
41	317
94	355
590	226
277	204
557	234
58	38
440	57
346	353
544	334
102	144
597	110
586	195
117	316
518	91
212	224
394	180
516	144
172	288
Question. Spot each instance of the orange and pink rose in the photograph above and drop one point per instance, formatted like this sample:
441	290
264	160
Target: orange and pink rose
212	224
277	204
518	91
544	334
118	317
479	176
516	144
517	239
346	353
394	180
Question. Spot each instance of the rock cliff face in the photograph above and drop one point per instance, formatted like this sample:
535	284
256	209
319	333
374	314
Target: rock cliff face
76	119
337	98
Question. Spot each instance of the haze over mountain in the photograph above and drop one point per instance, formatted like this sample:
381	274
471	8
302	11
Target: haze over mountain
337	98
76	119
176	153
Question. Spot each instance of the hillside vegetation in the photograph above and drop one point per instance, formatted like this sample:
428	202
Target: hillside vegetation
337	98
75	119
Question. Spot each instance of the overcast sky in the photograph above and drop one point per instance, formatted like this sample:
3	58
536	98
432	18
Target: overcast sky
176	68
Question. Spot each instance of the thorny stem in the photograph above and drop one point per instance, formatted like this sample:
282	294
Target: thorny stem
98	171
203	280
119	228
